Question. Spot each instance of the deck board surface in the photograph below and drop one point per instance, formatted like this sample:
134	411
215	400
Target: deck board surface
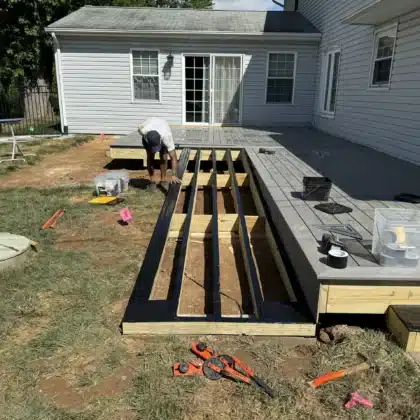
287	171
214	137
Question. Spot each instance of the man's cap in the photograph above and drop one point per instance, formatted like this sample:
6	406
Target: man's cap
152	141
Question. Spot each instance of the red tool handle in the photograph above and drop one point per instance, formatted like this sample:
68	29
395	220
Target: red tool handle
50	220
332	376
328	377
54	222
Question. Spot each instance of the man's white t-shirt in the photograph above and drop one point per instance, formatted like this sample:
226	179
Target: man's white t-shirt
162	127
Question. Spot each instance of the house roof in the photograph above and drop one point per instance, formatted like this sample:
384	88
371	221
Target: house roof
198	21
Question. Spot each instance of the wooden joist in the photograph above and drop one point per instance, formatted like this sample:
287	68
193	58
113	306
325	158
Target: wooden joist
250	267
215	286
268	230
227	223
182	254
140	154
223	181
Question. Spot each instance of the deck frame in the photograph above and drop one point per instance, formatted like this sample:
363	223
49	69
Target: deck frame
144	316
363	287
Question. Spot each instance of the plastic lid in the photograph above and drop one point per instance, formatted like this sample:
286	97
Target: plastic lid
12	245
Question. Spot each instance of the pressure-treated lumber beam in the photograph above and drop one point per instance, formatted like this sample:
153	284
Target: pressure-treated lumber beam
227	223
268	231
177	285
140	153
369	299
404	323
205	179
250	267
155	251
216	300
235	327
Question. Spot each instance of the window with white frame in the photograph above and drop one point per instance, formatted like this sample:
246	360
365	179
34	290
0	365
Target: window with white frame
280	77
145	65
330	71
383	56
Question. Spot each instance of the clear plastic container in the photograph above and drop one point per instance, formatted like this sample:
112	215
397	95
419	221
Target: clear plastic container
112	183
396	237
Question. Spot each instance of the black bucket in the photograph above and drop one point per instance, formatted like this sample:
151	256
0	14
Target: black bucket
316	188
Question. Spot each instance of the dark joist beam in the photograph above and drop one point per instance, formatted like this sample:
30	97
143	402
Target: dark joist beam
250	268
155	251
216	301
181	254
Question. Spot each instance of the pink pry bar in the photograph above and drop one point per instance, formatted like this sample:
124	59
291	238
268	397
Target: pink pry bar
357	399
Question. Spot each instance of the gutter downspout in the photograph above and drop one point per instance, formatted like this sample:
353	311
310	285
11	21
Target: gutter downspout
60	88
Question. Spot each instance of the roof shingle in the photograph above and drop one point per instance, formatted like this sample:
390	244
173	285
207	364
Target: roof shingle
184	20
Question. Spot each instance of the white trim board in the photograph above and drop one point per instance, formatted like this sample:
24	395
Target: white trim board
323	85
263	36
60	86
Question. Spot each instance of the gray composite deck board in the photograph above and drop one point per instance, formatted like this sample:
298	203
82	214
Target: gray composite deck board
218	137
287	170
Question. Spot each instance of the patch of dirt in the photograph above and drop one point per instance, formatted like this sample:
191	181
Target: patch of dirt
64	395
114	384
61	393
78	165
296	366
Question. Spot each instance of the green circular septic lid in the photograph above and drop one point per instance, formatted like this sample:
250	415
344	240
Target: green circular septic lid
12	246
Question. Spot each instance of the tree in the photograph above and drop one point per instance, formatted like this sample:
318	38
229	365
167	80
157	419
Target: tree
26	51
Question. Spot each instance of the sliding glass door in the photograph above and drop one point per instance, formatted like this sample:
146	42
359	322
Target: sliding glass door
227	81
213	89
197	89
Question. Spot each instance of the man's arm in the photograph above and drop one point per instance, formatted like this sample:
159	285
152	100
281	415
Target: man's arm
174	161
150	164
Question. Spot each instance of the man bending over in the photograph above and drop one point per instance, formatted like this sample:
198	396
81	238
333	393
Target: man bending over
157	137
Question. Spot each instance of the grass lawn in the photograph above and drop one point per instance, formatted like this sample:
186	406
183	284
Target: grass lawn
39	149
63	357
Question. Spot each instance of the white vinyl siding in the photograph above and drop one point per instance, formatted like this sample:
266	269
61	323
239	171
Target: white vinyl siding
99	98
386	119
383	55
329	82
280	77
145	75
